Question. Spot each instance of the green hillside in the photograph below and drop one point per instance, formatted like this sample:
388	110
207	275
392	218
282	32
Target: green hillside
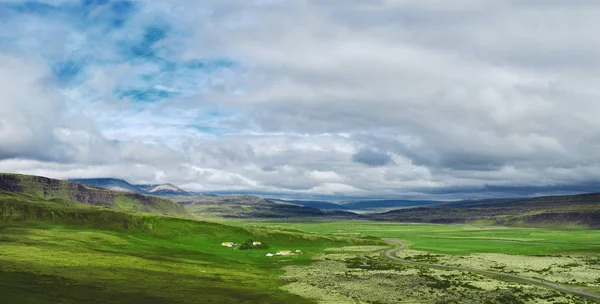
71	193
245	206
60	251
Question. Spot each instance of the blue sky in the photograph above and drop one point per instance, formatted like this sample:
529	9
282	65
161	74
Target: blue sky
410	99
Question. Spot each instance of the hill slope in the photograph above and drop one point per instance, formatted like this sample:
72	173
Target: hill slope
61	253
363	205
581	209
383	204
244	206
70	193
113	184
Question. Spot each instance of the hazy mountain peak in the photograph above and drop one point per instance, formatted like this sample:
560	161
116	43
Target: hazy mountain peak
122	185
109	183
166	188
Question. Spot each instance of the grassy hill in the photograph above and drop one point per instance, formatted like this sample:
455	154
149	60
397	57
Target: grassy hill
575	210
243	206
70	193
55	250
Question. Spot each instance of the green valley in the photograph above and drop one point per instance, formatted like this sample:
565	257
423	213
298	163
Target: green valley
63	242
54	253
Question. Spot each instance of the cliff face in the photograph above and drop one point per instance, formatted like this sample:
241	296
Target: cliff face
48	188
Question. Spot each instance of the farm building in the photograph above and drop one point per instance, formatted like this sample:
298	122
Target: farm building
284	252
269	254
228	244
256	243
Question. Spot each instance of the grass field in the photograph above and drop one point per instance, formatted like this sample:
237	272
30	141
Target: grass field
457	239
58	252
171	261
566	256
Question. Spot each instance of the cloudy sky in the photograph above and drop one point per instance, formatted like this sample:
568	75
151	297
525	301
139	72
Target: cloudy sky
383	98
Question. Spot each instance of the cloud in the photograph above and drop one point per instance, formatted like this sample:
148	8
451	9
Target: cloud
387	98
29	113
371	158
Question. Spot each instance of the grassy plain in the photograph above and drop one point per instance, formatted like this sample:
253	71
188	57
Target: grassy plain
456	239
563	255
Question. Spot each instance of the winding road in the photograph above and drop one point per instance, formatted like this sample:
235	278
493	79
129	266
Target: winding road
506	276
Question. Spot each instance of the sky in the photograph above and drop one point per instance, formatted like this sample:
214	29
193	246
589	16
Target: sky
414	99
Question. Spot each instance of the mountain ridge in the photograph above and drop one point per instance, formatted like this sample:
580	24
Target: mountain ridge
73	193
559	210
116	184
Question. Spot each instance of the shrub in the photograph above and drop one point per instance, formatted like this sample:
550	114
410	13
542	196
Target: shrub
249	244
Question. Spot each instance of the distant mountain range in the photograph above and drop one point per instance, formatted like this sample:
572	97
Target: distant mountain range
564	210
25	191
245	206
365	205
121	185
206	205
170	190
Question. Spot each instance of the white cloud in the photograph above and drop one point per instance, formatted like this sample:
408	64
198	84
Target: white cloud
395	97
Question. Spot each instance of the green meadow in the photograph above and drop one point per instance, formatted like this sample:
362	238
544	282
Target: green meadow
59	251
456	239
54	254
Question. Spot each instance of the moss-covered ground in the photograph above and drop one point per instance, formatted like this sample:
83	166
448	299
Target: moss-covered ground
339	276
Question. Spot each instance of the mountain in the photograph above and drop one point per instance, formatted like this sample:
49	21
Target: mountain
110	184
162	189
363	205
121	185
583	209
245	206
202	205
72	194
319	205
385	204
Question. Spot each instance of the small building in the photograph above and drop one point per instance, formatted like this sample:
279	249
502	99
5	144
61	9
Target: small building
298	251
256	243
269	254
284	252
228	244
